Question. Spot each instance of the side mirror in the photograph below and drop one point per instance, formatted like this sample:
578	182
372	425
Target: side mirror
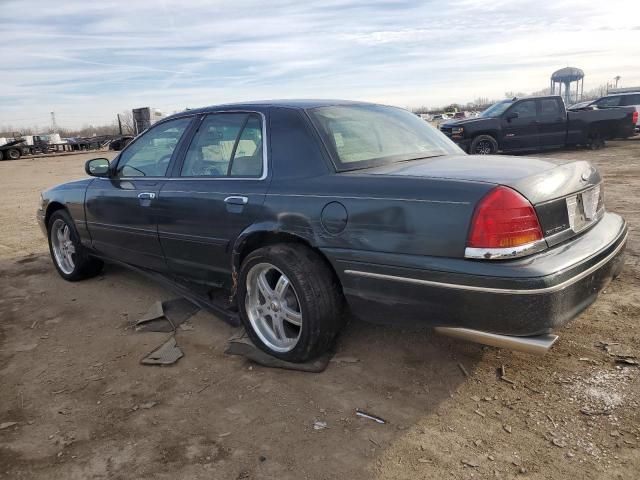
97	167
512	115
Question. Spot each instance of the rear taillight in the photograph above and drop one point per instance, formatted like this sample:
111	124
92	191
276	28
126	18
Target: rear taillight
635	117
503	220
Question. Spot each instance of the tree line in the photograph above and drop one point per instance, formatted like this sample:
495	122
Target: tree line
482	103
113	128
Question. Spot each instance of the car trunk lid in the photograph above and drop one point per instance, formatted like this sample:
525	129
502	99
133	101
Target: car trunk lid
567	197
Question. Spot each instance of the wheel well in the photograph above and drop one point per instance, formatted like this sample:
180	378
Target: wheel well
51	208
488	134
264	239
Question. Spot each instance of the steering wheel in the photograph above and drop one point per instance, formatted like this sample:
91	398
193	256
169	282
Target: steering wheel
163	162
206	169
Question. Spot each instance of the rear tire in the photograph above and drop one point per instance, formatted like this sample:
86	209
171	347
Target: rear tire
70	257
303	321
483	145
596	142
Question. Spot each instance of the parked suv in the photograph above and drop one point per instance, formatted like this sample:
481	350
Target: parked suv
627	99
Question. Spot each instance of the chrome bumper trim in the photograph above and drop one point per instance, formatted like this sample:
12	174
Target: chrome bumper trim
538	345
504	253
509	291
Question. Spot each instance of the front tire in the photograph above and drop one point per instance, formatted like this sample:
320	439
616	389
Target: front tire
290	302
71	259
483	145
13	154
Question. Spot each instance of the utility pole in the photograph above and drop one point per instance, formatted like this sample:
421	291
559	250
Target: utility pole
119	124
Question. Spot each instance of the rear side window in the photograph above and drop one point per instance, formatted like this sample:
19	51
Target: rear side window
549	106
632	99
609	102
226	145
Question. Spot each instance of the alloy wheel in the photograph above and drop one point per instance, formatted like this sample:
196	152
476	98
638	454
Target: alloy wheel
484	148
62	245
273	307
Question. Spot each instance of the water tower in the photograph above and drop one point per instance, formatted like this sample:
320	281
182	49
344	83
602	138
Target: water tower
565	77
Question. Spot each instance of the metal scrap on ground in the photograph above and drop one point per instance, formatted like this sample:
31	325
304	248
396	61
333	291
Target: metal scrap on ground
167	316
620	353
375	418
166	354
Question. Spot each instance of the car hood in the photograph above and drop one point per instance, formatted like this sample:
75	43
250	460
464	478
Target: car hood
468	121
72	185
537	179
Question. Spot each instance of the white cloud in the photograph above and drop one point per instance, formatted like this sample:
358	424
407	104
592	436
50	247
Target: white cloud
90	60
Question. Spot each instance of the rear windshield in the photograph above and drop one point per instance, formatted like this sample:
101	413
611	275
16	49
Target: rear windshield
362	136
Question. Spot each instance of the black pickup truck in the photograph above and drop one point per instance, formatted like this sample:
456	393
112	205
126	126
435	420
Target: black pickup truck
538	123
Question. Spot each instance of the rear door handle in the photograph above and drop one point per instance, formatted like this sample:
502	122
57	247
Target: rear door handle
236	200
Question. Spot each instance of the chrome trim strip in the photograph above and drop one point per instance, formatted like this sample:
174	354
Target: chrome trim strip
123	228
340	197
508	291
584	189
502	253
537	345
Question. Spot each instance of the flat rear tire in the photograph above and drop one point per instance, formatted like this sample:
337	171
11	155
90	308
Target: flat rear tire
290	301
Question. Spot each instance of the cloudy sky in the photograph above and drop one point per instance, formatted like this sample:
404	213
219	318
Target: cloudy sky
88	60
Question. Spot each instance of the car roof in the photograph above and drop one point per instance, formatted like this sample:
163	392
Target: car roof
299	104
621	94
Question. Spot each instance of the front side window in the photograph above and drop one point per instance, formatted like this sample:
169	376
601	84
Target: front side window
361	136
226	145
149	155
525	109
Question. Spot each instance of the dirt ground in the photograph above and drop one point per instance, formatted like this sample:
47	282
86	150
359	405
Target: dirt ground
85	407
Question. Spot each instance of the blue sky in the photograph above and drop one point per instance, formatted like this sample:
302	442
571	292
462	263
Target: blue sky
88	60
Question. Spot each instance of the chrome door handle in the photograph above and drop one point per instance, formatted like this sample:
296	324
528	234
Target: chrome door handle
236	200
146	196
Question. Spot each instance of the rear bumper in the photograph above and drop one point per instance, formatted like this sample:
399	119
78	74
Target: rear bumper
528	296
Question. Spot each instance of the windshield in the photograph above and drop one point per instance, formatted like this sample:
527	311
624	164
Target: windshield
362	136
497	109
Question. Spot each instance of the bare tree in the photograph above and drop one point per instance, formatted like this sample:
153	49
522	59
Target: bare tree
126	120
